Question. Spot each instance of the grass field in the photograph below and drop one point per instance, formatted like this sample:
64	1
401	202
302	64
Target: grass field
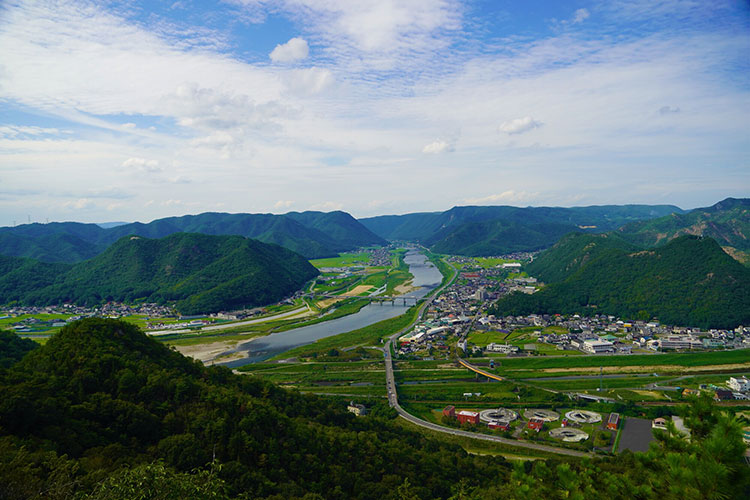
490	262
361	378
343	260
691	359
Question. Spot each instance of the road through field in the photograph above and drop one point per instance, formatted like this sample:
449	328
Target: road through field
393	396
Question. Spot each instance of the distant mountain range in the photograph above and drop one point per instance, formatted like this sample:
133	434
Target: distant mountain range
688	281
728	222
200	273
312	234
471	230
477	231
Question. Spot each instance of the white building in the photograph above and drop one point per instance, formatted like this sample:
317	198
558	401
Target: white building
739	384
680	342
502	348
596	346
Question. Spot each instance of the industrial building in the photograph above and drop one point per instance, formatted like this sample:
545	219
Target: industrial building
466	416
739	384
613	422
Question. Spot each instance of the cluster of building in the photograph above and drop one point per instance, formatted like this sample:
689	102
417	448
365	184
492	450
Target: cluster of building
608	335
30	324
737	388
428	335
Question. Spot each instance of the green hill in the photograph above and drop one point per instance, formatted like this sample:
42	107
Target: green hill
728	222
498	237
201	273
571	253
312	234
101	397
102	411
425	227
689	281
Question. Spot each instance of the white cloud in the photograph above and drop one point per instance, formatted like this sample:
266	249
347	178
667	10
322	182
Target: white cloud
328	206
520	125
383	76
293	50
13	131
283	204
437	147
580	15
309	81
79	204
128	126
509	196
142	164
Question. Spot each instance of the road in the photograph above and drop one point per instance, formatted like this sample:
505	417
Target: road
224	326
393	396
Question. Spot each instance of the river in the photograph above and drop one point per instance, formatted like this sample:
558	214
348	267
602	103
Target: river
426	276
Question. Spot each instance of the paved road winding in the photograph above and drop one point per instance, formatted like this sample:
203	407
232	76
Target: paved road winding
393	396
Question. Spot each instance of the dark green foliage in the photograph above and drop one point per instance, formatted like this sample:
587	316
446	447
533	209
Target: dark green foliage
312	234
690	281
573	252
19	277
201	273
498	237
74	408
13	348
48	248
343	229
424	227
728	222
103	411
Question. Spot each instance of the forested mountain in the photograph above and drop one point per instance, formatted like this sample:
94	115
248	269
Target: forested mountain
312	234
689	281
456	230
13	348
201	273
102	411
728	222
572	252
495	237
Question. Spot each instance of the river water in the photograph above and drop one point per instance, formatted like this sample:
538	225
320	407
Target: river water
426	277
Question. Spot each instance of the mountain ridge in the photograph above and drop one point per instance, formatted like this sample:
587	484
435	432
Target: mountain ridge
312	234
200	273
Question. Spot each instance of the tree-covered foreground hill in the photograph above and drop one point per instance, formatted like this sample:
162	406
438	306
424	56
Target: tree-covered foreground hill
200	273
103	411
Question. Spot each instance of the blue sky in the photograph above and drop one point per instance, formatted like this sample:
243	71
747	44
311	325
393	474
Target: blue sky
140	110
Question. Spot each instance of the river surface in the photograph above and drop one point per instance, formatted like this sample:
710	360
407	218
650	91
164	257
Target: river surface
426	277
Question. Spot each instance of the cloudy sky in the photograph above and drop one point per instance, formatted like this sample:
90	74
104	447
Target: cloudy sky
135	110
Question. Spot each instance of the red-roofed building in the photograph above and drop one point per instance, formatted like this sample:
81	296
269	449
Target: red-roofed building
466	416
613	422
536	424
503	426
449	411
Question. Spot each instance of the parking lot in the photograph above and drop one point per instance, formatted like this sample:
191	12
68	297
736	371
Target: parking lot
636	434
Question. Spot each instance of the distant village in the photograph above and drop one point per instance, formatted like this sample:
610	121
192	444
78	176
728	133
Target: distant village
461	310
